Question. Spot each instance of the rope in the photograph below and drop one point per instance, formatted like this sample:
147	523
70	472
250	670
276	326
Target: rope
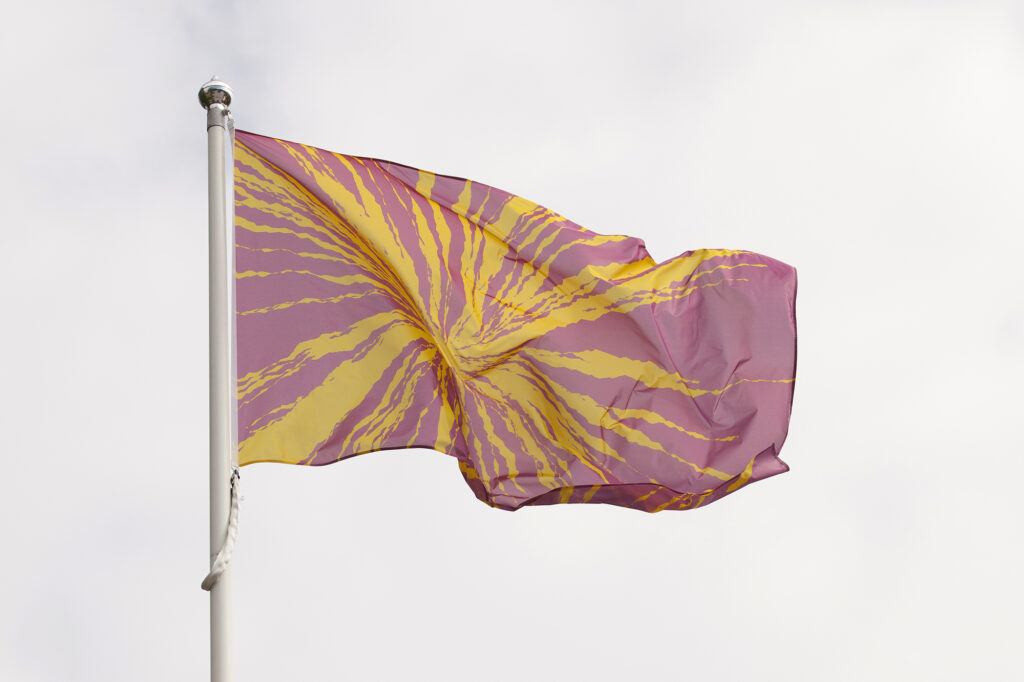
223	558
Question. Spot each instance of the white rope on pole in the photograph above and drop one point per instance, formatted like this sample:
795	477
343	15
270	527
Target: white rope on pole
223	557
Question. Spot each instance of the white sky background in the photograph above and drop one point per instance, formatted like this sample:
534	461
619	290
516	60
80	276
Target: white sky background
876	146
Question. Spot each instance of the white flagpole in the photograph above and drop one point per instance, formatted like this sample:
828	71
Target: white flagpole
215	97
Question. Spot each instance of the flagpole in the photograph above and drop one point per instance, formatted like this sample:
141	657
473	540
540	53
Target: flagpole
215	97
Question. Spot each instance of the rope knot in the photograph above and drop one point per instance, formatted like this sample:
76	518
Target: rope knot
223	558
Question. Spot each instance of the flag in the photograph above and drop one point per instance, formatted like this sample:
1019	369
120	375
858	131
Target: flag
380	306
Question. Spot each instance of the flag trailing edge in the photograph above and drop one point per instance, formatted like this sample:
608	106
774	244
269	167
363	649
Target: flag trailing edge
380	307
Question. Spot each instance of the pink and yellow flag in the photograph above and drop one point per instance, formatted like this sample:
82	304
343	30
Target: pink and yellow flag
380	306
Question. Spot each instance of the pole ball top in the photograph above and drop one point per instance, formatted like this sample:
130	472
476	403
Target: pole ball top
214	92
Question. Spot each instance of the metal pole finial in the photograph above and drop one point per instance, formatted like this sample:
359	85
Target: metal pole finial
215	92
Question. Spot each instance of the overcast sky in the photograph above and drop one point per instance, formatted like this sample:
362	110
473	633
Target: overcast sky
876	146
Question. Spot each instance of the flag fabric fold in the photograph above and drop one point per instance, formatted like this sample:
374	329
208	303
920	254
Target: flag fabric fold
382	307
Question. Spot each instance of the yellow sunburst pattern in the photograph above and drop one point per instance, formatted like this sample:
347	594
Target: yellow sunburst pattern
380	307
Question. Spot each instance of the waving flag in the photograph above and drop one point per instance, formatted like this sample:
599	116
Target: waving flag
380	306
